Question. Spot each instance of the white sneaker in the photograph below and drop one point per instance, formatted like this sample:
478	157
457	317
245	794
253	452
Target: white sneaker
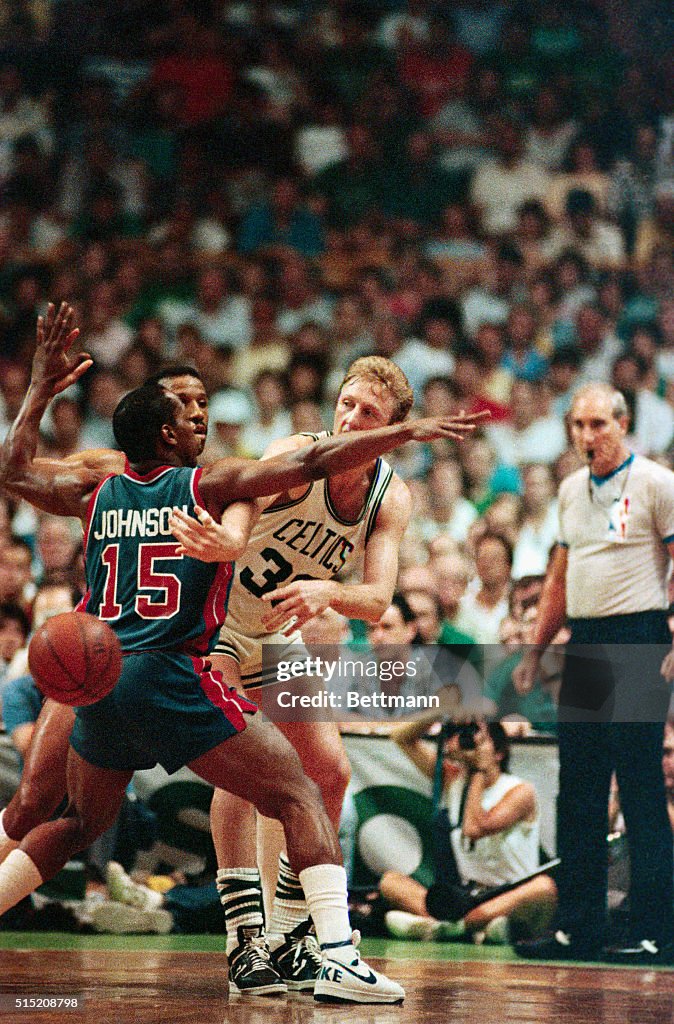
403	925
119	919
354	982
123	889
497	932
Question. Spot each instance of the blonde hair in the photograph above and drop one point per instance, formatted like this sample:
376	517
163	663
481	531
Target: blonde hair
382	371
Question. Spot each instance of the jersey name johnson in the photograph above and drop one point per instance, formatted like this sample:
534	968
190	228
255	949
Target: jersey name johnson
152	596
134	522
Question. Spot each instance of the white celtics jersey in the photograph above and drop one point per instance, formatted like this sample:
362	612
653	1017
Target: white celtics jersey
301	540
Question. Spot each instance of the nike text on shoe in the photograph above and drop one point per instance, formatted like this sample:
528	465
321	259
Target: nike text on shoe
298	960
251	971
354	982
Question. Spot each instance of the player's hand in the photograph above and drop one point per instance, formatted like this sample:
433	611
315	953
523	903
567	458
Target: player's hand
201	538
54	367
667	668
524	674
483	758
456	428
298	601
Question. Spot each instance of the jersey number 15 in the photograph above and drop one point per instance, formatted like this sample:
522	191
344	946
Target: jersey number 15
165	587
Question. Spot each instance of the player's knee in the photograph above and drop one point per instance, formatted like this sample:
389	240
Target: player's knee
389	883
295	795
28	809
334	774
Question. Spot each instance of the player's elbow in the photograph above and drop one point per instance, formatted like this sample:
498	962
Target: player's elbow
317	461
235	543
313	465
377	603
474	830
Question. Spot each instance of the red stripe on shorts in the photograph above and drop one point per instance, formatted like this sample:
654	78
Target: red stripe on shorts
226	698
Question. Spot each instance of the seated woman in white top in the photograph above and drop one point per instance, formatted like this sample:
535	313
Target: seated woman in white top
492	825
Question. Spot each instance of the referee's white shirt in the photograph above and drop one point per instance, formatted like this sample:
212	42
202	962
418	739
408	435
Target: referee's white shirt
616	529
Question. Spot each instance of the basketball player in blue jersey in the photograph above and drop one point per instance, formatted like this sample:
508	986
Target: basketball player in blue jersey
43	779
168	706
357	514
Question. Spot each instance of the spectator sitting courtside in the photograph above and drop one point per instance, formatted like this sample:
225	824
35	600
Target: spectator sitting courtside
489	834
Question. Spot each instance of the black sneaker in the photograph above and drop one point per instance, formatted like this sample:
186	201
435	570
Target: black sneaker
298	960
251	971
646	953
557	946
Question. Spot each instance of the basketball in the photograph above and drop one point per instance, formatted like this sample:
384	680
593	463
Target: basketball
75	658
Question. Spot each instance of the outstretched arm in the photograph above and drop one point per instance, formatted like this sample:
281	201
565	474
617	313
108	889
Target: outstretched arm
242	479
210	541
55	487
203	537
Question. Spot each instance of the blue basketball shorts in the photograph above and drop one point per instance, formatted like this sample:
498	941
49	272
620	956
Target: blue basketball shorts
167	708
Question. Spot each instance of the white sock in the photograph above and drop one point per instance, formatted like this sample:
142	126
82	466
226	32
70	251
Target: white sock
290	908
18	878
325	891
6	844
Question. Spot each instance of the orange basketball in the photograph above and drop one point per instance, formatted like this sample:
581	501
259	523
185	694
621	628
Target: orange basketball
75	658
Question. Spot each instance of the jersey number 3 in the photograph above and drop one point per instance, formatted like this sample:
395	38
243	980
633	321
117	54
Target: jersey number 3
161	597
277	572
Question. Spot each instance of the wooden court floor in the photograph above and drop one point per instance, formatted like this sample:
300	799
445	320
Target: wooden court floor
182	987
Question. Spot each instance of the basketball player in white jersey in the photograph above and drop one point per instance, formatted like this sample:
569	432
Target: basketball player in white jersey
299	543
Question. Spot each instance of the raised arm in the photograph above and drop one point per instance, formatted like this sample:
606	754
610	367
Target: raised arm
51	486
241	479
518	804
410	738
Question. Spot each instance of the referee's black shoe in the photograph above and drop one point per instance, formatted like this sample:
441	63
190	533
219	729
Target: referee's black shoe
557	945
644	953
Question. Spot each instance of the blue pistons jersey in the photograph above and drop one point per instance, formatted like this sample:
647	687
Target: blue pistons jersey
154	598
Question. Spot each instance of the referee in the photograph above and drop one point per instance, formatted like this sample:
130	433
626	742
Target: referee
609	574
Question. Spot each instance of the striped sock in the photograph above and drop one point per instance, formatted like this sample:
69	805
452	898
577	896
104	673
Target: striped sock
241	896
290	908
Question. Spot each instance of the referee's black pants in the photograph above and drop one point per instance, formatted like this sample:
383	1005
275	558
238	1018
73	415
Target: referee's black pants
613	704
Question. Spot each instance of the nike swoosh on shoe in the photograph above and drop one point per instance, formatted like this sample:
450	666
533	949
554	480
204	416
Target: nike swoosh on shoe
369	978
